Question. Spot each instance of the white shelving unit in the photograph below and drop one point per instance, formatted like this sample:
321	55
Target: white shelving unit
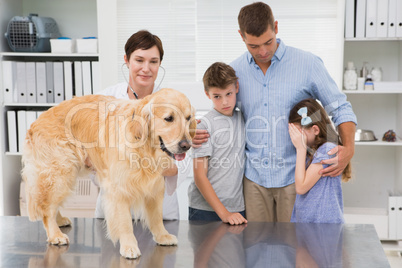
377	171
74	22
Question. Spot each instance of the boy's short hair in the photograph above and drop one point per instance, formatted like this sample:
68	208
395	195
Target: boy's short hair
255	18
219	75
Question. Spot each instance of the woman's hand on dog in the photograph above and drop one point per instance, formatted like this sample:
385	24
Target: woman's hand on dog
201	136
171	171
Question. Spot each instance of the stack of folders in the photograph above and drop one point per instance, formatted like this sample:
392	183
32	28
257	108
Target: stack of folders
373	18
50	81
18	122
395	217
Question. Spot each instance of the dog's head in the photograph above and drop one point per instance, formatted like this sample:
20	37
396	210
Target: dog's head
171	122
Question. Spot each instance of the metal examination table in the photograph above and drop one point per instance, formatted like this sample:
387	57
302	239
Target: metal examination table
215	244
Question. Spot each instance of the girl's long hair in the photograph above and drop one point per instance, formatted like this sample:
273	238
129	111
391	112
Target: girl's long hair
327	131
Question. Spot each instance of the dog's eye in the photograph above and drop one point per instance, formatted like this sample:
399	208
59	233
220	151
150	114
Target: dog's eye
188	118
169	119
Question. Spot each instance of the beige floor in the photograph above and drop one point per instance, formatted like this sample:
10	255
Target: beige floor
394	258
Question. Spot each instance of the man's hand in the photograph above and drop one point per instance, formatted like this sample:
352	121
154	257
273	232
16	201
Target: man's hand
201	136
338	163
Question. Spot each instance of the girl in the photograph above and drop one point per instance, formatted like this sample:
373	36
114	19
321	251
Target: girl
319	199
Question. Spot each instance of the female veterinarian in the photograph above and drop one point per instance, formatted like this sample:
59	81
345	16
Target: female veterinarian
143	57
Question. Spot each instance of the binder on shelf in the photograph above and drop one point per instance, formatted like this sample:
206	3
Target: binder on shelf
398	18
9	81
12	131
382	18
371	18
21	82
31	81
86	77
22	129
95	77
58	77
392	18
38	113
41	82
392	217
78	79
49	82
361	18
399	217
68	80
30	118
350	19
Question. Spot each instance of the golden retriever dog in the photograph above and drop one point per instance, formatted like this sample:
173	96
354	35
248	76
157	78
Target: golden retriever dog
129	143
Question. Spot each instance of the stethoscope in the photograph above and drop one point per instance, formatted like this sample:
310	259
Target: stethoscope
132	90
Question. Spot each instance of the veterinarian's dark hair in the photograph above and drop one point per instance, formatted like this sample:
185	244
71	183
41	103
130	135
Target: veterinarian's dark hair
255	19
143	40
320	119
219	75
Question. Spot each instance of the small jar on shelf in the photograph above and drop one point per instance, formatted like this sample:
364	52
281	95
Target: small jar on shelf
350	77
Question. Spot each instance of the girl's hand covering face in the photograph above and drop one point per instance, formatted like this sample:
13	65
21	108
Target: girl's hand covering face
298	137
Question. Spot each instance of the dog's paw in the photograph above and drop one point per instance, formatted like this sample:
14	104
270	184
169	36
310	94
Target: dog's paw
61	239
166	240
130	252
63	222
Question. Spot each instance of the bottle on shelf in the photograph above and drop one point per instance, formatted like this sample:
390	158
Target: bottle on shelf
369	85
376	74
364	71
350	77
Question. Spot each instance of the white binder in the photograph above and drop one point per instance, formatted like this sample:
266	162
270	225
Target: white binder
22	129
12	131
382	18
392	217
350	19
398	18
58	76
78	79
361	18
40	82
38	113
30	118
95	77
399	217
31	81
86	78
392	18
49	82
68	80
371	18
10	81
21	82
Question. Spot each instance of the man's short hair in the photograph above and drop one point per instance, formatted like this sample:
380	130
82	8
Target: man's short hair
254	19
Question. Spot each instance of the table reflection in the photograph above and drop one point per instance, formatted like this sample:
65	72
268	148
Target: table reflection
201	244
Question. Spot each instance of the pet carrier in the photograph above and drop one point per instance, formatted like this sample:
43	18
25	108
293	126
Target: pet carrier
31	34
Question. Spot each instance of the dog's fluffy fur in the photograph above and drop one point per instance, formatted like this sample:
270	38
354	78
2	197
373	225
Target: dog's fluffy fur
128	143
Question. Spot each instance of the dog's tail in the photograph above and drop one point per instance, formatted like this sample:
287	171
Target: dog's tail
29	175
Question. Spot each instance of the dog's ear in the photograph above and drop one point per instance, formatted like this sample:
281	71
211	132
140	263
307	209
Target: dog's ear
193	123
146	110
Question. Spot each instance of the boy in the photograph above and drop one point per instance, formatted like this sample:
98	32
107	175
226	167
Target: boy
217	190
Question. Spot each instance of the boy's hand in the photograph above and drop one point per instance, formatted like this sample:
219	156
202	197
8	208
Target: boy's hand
234	218
298	137
201	136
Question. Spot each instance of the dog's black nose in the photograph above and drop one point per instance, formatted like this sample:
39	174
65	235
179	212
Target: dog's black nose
184	145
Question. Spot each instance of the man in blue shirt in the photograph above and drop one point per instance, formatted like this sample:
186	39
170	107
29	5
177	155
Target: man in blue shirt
273	78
